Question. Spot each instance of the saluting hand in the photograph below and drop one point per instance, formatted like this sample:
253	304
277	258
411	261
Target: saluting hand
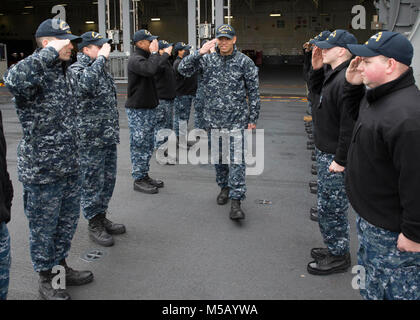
58	44
207	47
154	46
105	50
353	75
168	50
317	58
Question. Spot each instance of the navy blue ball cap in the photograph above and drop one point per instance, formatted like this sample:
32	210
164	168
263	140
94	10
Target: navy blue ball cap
225	30
321	37
92	37
56	28
143	34
386	43
337	38
181	46
163	44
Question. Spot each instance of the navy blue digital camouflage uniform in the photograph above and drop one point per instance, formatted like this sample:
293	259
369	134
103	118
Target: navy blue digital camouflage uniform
164	119
98	128
332	206
389	272
47	155
198	103
5	260
142	123
227	82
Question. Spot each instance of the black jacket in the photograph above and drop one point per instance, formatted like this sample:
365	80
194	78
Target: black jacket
332	125
6	188
383	174
141	89
307	64
165	79
185	86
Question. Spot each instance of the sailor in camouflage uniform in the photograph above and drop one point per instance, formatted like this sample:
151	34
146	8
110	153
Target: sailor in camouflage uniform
186	88
228	78
383	177
332	132
97	123
142	100
47	157
165	86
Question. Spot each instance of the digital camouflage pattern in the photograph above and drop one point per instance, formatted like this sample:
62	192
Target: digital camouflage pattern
44	95
230	162
227	81
332	206
98	128
98	170
390	274
164	115
53	211
5	261
198	103
97	113
182	110
142	123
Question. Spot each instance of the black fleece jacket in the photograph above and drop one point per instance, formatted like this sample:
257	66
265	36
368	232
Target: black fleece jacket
332	125
185	86
165	79
383	174
141	88
6	188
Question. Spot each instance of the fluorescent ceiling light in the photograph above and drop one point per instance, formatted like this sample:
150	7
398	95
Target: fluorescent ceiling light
155	19
89	22
28	7
95	2
227	17
275	14
25	13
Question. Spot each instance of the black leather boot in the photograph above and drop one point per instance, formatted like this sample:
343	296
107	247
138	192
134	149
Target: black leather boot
223	196
153	182
313	214
143	185
236	212
313	183
46	289
76	278
113	228
98	233
319	253
329	264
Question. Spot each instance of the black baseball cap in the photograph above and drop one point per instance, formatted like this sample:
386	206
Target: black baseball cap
92	37
163	44
321	37
337	38
143	34
388	44
181	46
56	28
225	30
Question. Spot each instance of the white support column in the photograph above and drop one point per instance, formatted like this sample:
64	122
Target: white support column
219	14
192	27
101	18
126	27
